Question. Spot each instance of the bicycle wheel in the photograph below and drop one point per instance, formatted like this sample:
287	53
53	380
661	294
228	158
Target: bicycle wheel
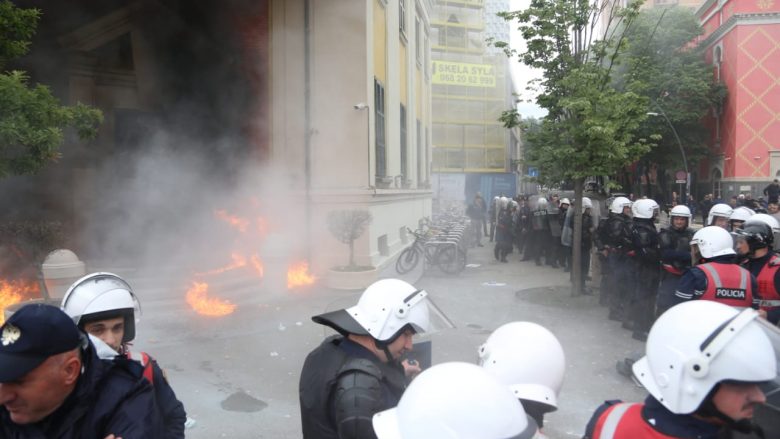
407	260
451	260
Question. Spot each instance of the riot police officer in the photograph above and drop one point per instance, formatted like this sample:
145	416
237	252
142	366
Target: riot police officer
529	359
105	306
754	242
504	236
703	366
675	243
540	235
455	400
719	215
358	373
716	276
645	259
613	241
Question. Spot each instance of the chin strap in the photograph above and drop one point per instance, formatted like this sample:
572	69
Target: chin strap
383	347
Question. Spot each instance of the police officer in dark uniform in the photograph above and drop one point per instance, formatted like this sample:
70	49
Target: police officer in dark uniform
504	235
675	243
704	368
522	224
352	376
104	305
645	258
754	243
716	276
540	231
613	241
53	385
554	246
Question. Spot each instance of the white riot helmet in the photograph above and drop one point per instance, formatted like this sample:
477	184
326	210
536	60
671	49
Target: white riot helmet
455	401
713	241
618	204
385	309
680	210
528	359
541	203
644	208
741	214
100	296
503	202
586	203
697	344
513	204
565	201
721	209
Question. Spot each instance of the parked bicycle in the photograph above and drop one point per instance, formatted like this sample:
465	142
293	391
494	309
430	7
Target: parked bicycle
437	248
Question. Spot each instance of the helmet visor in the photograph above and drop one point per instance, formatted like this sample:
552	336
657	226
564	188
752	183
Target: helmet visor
436	320
771	387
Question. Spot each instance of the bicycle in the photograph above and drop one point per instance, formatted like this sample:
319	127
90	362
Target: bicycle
442	251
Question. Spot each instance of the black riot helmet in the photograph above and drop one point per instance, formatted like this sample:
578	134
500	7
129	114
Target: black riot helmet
757	236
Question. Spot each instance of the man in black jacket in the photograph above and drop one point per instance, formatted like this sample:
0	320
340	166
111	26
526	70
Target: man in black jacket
772	191
53	385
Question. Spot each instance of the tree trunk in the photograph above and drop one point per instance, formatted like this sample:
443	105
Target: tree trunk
352	253
576	246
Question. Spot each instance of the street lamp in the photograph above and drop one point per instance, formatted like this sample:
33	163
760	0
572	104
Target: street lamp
679	143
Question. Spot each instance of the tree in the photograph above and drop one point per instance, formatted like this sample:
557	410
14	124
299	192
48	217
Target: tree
590	126
677	82
347	226
32	121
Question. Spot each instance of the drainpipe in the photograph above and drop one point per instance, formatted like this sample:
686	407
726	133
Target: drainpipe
307	118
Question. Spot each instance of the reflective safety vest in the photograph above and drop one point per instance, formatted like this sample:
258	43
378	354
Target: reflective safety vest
728	284
624	421
770	297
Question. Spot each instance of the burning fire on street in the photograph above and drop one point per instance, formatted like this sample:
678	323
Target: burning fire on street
253	233
13	292
197	298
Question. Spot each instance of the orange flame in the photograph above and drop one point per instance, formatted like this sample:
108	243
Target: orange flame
197	298
242	224
298	275
13	292
238	262
257	263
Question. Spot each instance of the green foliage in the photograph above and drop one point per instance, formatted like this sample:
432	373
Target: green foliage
32	121
25	244
676	80
17	27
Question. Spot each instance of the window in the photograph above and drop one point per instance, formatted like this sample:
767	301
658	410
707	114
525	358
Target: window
418	40
427	55
420	160
402	16
379	117
404	152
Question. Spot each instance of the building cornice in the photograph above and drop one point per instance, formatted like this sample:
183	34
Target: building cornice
741	20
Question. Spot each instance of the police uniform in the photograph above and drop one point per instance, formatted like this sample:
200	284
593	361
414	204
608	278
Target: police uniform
540	235
503	245
645	257
719	280
675	247
651	420
107	399
766	269
614	235
342	386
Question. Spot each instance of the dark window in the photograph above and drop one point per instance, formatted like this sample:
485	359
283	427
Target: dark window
420	161
379	117
404	155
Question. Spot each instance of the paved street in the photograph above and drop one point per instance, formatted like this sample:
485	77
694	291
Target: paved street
249	362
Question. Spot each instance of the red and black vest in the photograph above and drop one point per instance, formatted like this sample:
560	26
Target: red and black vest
146	362
770	297
624	421
728	284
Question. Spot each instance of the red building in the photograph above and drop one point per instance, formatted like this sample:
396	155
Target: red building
742	38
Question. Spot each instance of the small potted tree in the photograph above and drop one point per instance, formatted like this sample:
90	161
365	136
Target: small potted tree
347	226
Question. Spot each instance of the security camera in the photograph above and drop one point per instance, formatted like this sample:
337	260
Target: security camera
360	106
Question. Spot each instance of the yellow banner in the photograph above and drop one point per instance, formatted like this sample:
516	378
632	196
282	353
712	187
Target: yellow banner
459	73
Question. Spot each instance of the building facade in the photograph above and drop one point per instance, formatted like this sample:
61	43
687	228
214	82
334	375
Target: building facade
472	86
743	45
330	101
355	104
